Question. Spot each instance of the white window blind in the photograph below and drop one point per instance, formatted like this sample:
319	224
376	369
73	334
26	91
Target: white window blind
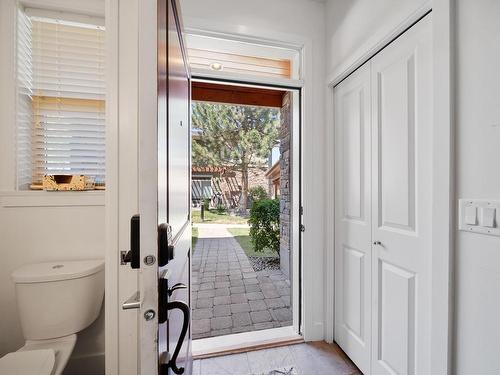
24	107
67	99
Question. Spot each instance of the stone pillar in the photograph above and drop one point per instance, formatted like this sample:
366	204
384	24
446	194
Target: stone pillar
285	188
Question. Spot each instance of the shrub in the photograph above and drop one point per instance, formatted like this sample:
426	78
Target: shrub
220	209
265	225
257	193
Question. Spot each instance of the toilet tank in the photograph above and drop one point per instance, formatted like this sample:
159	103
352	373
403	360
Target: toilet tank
57	299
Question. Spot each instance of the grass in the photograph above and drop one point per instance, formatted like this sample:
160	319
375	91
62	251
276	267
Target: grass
194	239
212	217
243	237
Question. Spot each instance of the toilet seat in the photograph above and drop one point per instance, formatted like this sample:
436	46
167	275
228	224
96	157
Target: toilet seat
62	347
39	357
29	362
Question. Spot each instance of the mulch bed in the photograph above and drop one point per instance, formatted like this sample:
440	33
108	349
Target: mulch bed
265	263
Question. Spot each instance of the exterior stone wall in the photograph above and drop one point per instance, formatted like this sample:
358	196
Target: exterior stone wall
285	186
256	177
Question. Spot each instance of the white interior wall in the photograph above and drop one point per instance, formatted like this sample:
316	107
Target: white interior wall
302	22
477	176
353	27
40	226
356	26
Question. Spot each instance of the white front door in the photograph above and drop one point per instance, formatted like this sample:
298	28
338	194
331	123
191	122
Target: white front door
353	217
402	202
383	203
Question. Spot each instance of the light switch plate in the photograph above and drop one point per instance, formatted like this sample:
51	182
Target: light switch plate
487	217
479	216
470	215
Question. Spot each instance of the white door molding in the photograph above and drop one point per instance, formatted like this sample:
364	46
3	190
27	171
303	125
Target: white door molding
443	189
312	131
442	184
121	197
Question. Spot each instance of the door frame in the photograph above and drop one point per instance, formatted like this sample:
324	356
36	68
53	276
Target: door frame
124	59
121	195
295	88
442	185
313	124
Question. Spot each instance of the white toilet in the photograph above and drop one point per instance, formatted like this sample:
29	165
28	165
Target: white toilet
55	301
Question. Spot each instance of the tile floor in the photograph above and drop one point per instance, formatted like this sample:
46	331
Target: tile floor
317	358
228	295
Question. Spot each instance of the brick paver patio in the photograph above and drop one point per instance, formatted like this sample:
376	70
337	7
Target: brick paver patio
228	295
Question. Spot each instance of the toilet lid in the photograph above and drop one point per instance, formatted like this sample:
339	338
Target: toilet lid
30	362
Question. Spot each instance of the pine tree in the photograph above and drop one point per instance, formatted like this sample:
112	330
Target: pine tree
234	136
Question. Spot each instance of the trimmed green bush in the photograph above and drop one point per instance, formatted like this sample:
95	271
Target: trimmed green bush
257	193
265	225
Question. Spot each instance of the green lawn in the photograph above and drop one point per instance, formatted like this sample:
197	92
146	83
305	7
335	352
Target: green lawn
242	236
213	217
194	239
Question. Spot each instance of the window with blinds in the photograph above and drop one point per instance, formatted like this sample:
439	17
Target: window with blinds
62	115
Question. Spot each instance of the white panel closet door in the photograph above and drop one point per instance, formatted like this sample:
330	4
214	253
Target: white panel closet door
402	199
353	217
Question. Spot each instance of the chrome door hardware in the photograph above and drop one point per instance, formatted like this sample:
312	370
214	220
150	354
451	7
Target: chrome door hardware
149	315
149	260
377	243
134	302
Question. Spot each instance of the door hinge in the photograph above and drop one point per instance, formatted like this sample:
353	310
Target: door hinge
301	210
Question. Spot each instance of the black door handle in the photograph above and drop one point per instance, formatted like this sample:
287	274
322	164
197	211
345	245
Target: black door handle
185	324
175	287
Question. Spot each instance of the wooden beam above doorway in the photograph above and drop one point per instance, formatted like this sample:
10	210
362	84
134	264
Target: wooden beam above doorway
229	94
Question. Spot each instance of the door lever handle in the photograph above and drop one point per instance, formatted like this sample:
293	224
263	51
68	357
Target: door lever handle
175	287
172	360
134	302
377	243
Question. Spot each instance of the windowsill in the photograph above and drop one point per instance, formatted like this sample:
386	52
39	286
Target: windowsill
32	198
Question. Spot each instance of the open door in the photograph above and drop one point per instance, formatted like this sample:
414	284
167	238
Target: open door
161	233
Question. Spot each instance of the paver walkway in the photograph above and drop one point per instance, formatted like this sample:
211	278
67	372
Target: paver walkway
228	295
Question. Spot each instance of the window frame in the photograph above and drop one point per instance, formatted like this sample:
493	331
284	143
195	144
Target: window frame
11	196
37	15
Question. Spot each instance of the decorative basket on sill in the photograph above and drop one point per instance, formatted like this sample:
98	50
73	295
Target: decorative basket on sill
58	182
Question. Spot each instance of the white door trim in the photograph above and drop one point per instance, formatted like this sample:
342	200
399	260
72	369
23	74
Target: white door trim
111	195
442	186
313	267
121	196
297	181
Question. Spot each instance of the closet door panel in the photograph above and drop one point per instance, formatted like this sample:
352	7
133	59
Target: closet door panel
396	142
353	217
402	198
